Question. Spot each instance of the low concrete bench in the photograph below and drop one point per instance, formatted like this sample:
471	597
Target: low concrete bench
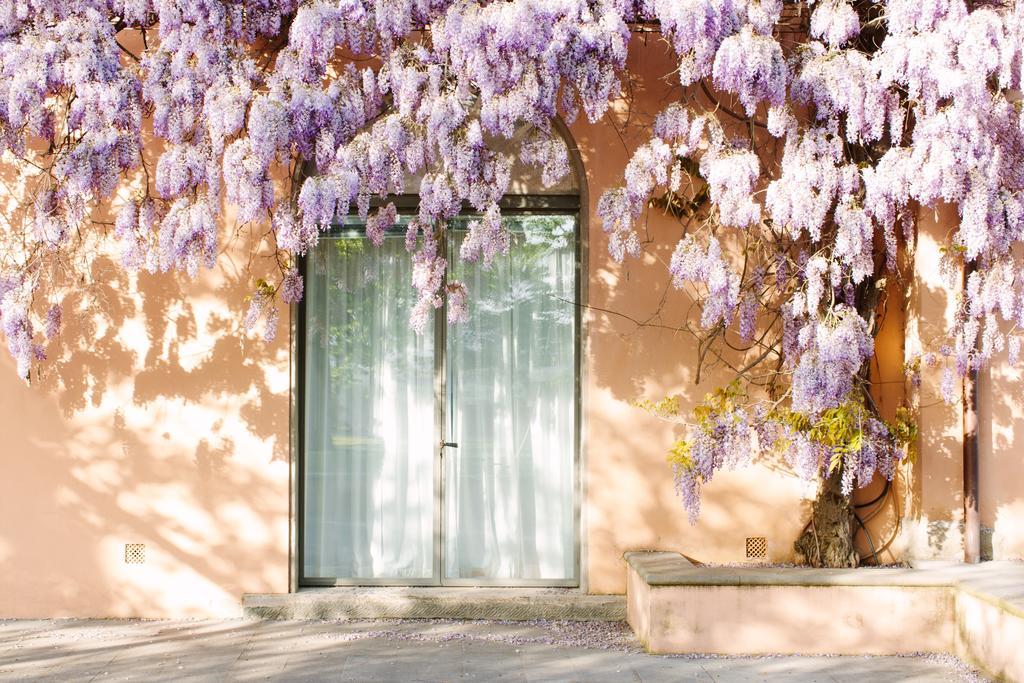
975	612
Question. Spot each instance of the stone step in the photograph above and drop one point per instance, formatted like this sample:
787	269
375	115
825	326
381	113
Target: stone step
504	604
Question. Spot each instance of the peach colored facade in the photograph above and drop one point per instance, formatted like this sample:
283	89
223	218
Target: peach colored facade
166	425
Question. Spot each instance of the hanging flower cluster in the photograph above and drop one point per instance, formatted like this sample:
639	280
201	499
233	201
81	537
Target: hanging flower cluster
880	109
810	154
730	432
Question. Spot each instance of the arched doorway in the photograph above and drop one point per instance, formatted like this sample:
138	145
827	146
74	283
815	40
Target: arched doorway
382	500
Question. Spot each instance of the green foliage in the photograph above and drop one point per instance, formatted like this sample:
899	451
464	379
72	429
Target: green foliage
839	429
904	429
347	246
263	288
717	405
666	407
720	403
680	455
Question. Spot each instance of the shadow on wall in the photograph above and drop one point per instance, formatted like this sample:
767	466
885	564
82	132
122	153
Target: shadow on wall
636	349
155	421
1000	463
632	501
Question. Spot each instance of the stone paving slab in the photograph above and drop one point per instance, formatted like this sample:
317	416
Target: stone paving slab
392	650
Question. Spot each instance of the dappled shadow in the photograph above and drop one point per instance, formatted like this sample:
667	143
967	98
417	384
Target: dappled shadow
1000	465
637	348
239	650
155	420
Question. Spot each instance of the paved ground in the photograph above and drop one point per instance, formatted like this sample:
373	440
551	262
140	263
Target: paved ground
403	651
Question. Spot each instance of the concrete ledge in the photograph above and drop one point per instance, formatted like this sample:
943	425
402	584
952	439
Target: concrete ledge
511	604
976	612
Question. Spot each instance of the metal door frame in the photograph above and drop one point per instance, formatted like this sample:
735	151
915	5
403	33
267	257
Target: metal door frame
569	205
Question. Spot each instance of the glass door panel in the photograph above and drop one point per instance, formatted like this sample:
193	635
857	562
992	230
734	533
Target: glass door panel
511	407
370	451
374	489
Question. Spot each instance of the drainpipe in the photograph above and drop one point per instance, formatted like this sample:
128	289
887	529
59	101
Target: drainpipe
972	518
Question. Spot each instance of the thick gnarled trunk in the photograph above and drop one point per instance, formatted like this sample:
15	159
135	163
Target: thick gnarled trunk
828	539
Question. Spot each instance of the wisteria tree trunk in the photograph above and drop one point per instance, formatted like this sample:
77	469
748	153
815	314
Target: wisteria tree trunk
827	541
828	538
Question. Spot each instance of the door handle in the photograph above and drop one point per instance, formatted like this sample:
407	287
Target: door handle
449	444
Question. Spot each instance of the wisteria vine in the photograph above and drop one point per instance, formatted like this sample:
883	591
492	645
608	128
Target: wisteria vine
798	160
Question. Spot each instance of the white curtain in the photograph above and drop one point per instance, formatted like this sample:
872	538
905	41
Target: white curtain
369	404
509	486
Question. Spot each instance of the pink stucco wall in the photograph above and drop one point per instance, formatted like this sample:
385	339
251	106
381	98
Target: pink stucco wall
630	501
157	421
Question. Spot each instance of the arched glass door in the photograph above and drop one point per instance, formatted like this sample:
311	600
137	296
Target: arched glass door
382	500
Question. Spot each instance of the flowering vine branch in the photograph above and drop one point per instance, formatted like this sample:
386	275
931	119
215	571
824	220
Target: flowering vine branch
796	158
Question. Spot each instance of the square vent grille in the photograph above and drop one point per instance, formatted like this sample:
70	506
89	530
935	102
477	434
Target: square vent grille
757	548
134	553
